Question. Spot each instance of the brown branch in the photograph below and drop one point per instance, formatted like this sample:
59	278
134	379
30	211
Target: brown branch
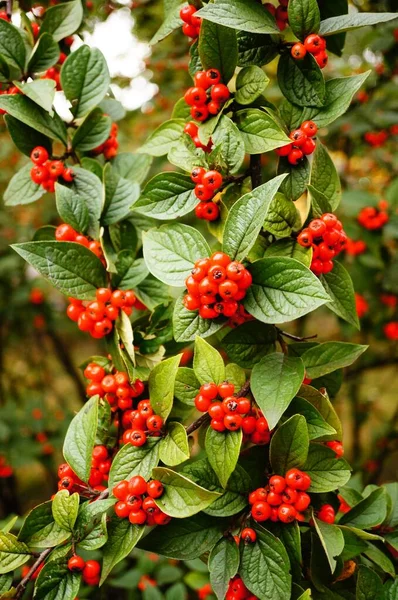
296	338
256	173
24	582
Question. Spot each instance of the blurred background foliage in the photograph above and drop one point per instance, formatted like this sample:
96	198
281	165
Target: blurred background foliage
40	384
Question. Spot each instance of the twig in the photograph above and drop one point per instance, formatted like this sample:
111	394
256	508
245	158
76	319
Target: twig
256	170
24	582
296	338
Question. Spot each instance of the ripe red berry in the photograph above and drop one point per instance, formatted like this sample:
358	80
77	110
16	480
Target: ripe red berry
214	107
202	403
321	59
207	312
65	233
137	438
295	156
137	517
197	174
244	405
100	453
232	422
68	175
216	411
187	12
121	490
122	509
226	389
39	174
118	298
220	93
303	501
92	569
308	147
201	80
195	96
284	150
211	211
261	511
248	425
203	192
248	535
217	424
309	128
212	179
191	129
155	488
286	513
55	168
298	51
199	112
274	499
209	390
298	137
289	495
39	155
314	43
154	423
213	76
76	564
305	238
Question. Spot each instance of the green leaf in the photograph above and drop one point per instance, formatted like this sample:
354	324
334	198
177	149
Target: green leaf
71	208
56	581
301	81
318	428
223	452
5	582
122	538
274	382
45	54
380	558
304	17
327	357
218	49
28	112
282	217
298	177
62	20
353	21
289	445
171	21
290	536
73	269
21	189
390	589
12	46
40	530
93	132
65	507
369	584
322	403
265	567
332	540
186	539
261	133
171	251
326	471
181	497
161	385
125	332
290	249
338	285
13	553
246	218
255	49
80	439
283	289
319	202
159	142
120	195
186	386
208	364
368	513
185	155
187	324
132	460
228	137
133	167
41	91
324	176
250	84
152	293
167	196
249	343
85	79
89	513
244	15
223	565
91	192
392	516
174	448
26	138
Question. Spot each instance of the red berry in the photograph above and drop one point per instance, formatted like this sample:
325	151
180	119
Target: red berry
55	168
286	513
305	238
137	517
195	96
199	112
122	509
230	405
154	423
137	485
232	422
212	179
309	128
216	411
209	390
249	425
137	438
191	129
289	495
295	156
214	76
261	511
244	405
118	298
68	175
76	564
155	488
284	150
226	389
274	499
187	12
302	502
211	211
314	43
65	233
277	484
201	80
308	147
248	535
121	490
39	155
92	569
298	138
100	453
217	425
228	289
197	174
202	403
39	174
321	59
298	51
214	107
220	93
203	192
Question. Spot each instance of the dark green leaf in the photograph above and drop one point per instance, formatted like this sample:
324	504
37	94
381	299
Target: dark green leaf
93	132
45	54
218	49
324	176
40	530
369	584
244	15
255	49
261	133
327	357
80	439
122	538
91	192
301	81
132	460
298	177
167	196
223	452
282	217
316	424
228	137
368	513
21	189
171	21
133	167
304	17
57	582
223	565
249	343
338	285
62	20
120	195
289	445
353	21
71	208
12	46
28	112
26	138
40	91
326	471
161	385
332	540
290	249
187	324
322	403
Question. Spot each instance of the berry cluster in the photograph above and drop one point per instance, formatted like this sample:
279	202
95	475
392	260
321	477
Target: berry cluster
361	306
54	72
207	96
337	448
327	238
5	469
143	422
327	514
241	316
192	129
238	591
207	184
115	386
302	143
315	45
90	570
279	12
376	139
216	285
232	412
46	172
373	218
136	501
66	233
97	317
284	499
355	247
100	466
192	23
110	146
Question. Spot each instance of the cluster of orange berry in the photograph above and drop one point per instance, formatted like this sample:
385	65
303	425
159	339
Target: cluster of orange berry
238	591
54	73
192	129
355	247
115	387
97	317
90	569
284	499
100	466
47	172
207	184
216	286
110	146
373	218
208	95
313	44
143	422
279	12
301	145
337	448
136	501
327	239
192	23
66	233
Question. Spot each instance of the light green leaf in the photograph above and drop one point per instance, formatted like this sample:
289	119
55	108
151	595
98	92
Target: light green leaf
90	189
12	46
228	137
174	448
223	565
120	195
132	460
290	249
41	91
338	285
40	530
167	196
85	79
185	155
322	403
218	48
223	452
159	142
56	581
122	538
326	471
93	132
244	15
161	385
301	81
187	324
250	84
282	217
324	176
171	21
71	208
73	269
181	497
80	439
171	251
275	381
259	130
332	540
125	333
304	17
13	553
25	110
318	428
65	507
289	445
62	20
21	189
298	177
208	364
186	386
45	54
353	21
133	167
329	356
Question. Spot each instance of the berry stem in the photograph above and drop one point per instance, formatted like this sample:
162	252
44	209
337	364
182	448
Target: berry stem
256	170
296	338
24	582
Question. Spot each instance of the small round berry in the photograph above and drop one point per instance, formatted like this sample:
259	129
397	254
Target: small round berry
219	93
39	174
121	490
100	453
154	423
137	485
187	12
216	411
303	501
226	389
118	298
122	509
199	112
298	137
211	211
202	403
289	495
244	405
232	422
76	564
314	43
137	438
217	425
55	168
321	59
248	425
201	80
287	513
261	511
309	128
203	192
277	484
137	517
308	147
209	390
39	155
305	238
197	174
248	535
92	569
295	156
155	488
212	179
214	76
298	51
